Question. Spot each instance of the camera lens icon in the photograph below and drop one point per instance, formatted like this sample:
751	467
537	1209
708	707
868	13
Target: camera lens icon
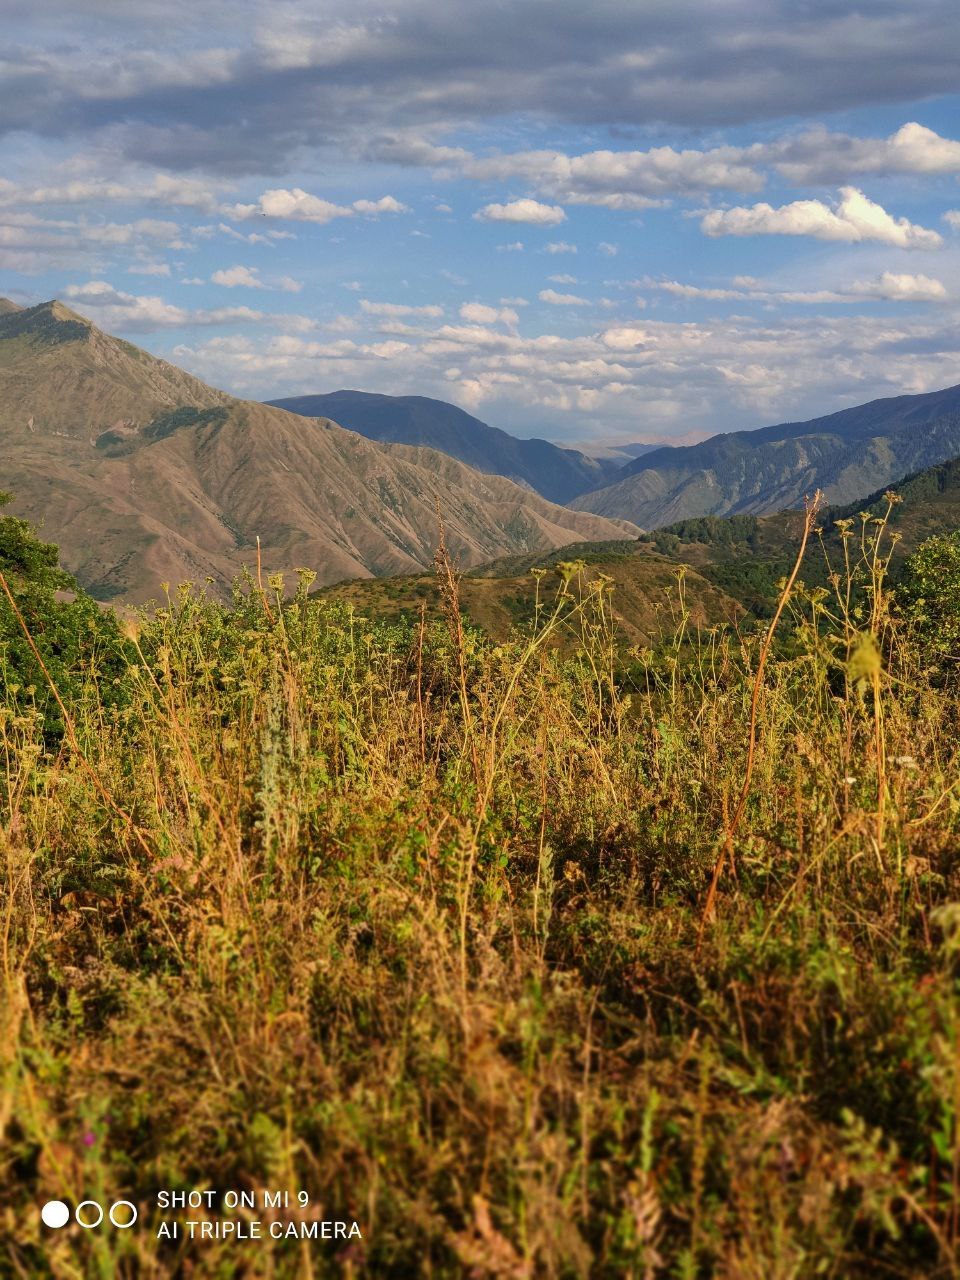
89	1214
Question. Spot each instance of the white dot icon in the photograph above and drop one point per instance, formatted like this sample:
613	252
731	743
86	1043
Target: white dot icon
55	1214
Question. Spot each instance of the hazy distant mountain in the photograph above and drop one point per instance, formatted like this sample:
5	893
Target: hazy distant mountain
555	473
144	474
846	454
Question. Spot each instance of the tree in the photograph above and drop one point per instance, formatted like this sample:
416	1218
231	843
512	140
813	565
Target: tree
929	595
74	637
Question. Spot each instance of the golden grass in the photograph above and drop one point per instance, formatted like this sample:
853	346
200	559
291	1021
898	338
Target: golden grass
409	920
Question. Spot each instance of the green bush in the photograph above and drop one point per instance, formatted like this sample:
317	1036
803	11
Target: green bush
74	639
929	595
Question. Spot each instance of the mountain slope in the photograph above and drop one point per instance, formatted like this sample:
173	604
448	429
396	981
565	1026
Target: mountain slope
555	473
143	474
846	454
733	565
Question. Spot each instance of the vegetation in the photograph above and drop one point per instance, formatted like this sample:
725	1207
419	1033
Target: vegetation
414	921
51	634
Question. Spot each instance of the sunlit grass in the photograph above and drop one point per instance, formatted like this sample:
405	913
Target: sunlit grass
410	920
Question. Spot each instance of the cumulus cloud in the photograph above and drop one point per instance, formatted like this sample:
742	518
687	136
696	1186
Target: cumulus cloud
526	210
297	205
952	219
897	287
238	277
478	313
819	155
626	180
561	299
560	246
853	219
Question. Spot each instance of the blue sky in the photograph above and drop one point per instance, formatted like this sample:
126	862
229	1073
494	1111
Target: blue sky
627	221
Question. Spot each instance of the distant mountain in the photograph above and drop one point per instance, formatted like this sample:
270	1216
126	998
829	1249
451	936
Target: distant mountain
553	472
846	454
143	474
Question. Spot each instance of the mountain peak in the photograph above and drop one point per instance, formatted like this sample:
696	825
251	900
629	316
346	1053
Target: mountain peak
50	323
6	307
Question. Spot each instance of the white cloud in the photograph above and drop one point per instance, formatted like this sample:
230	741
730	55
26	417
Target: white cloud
624	180
561	299
298	205
952	219
112	307
386	204
610	250
398	309
238	277
901	288
560	246
562	279
526	210
889	285
625	338
515	246
821	156
161	188
695	291
478	313
288	285
855	218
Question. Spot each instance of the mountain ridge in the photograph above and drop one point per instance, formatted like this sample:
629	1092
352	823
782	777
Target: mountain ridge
555	472
143	474
762	471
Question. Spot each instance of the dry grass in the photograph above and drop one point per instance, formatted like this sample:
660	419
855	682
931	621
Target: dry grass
409	920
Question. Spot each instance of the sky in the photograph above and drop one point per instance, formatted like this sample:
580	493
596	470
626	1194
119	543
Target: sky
623	221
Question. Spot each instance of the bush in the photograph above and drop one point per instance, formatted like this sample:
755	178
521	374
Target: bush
929	595
73	638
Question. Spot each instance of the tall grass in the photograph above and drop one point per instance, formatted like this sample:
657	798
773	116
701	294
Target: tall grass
409	919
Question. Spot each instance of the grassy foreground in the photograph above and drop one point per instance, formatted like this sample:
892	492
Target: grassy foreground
414	922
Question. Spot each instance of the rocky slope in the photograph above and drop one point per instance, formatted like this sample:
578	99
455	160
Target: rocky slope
143	475
555	473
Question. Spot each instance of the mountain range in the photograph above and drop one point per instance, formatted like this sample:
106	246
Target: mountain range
553	472
144	475
846	454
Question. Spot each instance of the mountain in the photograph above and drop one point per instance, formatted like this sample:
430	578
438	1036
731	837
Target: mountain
746	556
555	473
845	454
143	474
502	595
733	564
